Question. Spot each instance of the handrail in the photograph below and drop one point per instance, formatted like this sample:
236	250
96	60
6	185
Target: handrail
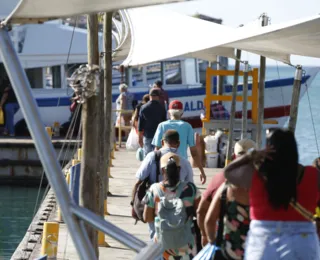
213	97
29	108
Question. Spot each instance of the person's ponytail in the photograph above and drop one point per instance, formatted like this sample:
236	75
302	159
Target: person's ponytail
173	172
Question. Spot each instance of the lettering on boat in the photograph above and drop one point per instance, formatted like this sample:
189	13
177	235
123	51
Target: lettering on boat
193	105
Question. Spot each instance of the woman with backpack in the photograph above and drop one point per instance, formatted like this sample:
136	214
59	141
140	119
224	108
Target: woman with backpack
283	196
171	205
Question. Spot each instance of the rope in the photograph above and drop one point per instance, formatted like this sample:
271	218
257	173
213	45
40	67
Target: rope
310	108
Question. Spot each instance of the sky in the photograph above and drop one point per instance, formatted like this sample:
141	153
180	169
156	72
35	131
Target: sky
235	12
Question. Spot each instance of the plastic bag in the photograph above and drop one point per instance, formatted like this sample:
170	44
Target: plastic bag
207	253
1	117
133	141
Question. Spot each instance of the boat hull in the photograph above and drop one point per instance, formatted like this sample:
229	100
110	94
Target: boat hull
54	104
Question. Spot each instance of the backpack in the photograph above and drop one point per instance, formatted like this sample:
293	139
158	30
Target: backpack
172	224
138	204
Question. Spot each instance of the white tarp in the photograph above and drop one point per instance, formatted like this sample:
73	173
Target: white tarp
169	34
158	34
298	37
53	9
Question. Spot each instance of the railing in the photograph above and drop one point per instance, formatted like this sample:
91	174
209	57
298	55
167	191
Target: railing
214	97
73	215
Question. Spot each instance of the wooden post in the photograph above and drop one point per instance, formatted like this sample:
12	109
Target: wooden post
245	102
295	99
233	107
107	27
262	77
88	178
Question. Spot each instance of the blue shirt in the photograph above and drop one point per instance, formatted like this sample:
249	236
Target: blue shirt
186	135
148	168
150	116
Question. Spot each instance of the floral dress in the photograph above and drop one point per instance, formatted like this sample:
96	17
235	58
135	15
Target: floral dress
236	227
189	194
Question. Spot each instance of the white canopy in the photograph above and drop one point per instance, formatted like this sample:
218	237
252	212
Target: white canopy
279	41
168	34
52	9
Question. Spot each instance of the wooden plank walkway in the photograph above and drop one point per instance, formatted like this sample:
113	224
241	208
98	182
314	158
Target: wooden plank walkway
125	167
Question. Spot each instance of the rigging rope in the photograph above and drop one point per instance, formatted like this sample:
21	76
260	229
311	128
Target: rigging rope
310	108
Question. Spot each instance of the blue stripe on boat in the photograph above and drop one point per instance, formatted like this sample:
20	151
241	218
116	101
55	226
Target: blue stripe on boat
65	101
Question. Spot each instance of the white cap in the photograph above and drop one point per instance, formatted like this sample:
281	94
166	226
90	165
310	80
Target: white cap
243	146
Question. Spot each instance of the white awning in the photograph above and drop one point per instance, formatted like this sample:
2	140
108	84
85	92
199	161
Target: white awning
42	10
168	34
158	33
279	41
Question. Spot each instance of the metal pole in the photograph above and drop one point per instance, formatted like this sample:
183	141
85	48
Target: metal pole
220	78
42	142
295	99
233	106
108	228
262	78
245	101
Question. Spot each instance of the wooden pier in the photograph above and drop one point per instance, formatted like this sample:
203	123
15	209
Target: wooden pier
123	172
20	163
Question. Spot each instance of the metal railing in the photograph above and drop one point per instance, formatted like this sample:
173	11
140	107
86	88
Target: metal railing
73	215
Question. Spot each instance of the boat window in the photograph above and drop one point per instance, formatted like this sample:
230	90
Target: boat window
173	72
153	72
35	77
137	77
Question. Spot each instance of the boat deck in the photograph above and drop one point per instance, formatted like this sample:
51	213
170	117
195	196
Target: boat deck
120	211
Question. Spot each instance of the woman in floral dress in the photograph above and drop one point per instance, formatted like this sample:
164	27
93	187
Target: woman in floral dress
236	221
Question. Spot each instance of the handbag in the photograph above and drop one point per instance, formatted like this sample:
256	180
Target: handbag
297	206
213	252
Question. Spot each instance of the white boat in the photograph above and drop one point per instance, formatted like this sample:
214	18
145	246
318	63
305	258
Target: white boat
54	103
183	77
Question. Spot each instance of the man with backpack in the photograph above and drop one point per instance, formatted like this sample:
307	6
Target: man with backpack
149	173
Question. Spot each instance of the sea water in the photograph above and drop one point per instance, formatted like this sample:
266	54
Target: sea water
17	203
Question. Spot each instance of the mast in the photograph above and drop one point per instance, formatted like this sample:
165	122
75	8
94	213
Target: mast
262	77
233	107
244	128
295	99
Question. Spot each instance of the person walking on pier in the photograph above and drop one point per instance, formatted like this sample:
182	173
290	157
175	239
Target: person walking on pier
171	205
164	98
186	134
170	143
150	116
240	148
283	197
10	104
124	102
135	116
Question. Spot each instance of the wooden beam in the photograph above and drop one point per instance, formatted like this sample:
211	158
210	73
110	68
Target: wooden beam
88	179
